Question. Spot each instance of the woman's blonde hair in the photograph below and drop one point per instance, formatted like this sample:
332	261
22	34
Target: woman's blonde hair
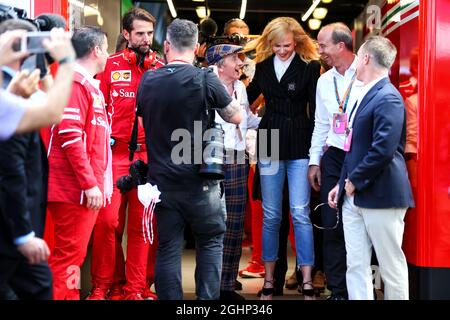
274	31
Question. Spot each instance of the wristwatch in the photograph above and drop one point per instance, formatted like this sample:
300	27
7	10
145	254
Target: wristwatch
67	59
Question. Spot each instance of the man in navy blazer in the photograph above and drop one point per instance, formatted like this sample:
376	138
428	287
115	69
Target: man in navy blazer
374	189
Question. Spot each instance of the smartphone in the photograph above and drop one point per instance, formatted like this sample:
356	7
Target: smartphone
32	42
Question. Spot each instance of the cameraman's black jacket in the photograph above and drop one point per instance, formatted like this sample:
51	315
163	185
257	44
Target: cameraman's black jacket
171	98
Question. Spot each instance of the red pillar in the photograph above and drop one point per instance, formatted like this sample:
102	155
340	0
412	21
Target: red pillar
427	234
53	6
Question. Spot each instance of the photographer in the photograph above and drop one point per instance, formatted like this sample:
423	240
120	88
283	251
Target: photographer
23	254
186	196
79	156
18	115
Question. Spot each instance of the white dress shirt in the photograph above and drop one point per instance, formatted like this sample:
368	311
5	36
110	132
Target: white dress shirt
232	138
281	66
364	90
327	105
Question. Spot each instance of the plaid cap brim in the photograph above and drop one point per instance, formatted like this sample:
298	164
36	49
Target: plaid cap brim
215	53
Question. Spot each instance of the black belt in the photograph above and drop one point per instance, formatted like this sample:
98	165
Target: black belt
334	149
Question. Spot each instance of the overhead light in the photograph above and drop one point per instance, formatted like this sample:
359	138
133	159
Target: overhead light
90	11
198	0
202	12
310	10
320	13
173	12
327	1
243	9
314	24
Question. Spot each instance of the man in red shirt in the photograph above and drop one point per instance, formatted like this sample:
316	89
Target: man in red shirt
80	178
119	83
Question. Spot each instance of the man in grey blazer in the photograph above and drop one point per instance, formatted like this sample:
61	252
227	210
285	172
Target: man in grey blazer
374	178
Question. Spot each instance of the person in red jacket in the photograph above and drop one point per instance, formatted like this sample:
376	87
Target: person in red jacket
80	178
119	83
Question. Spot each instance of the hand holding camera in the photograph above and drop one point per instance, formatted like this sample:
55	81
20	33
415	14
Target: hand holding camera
59	45
8	52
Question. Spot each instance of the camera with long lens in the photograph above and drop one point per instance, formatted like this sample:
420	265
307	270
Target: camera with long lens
235	39
44	22
212	166
137	176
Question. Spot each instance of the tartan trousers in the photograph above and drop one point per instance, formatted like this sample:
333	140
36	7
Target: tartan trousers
235	184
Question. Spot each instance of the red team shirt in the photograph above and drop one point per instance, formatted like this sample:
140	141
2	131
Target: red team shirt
78	151
119	84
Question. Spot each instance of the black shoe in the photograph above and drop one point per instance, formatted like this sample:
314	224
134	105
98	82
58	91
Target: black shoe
231	296
337	297
237	285
277	291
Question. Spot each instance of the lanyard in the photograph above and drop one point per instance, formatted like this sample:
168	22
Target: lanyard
343	103
352	112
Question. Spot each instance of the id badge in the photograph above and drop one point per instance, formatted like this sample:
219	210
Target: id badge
348	140
340	123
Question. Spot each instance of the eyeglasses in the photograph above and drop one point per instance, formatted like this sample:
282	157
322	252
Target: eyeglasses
326	228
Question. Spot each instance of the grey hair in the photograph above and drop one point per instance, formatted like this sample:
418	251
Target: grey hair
85	39
341	33
182	35
382	51
221	62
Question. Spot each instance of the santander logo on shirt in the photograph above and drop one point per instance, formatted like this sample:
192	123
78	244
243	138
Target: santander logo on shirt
123	94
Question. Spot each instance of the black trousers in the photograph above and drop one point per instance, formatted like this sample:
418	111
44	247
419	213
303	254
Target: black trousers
28	282
334	254
202	207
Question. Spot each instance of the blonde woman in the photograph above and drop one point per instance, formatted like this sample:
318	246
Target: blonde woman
286	74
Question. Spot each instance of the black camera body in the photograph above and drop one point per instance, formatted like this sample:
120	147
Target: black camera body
234	39
44	22
138	176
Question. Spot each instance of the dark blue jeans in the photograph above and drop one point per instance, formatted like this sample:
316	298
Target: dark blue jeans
203	209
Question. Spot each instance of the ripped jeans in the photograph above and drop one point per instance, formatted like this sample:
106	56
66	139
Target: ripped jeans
272	182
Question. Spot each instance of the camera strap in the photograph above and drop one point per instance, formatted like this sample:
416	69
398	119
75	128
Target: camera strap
209	112
134	137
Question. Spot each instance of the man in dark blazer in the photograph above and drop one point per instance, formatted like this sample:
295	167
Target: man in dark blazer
374	185
24	272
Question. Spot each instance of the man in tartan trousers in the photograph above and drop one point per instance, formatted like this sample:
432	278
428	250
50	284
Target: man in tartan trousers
229	61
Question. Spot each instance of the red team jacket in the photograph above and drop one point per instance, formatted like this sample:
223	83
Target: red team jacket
79	144
119	84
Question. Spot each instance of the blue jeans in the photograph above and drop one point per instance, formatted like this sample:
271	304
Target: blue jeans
272	181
